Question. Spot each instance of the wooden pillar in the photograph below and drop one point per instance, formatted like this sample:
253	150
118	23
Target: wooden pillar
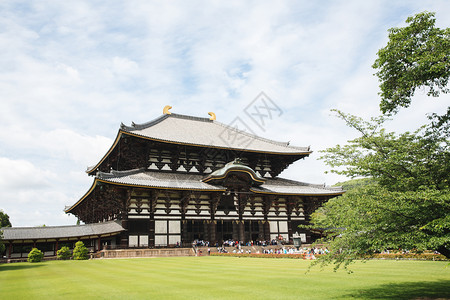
235	235
261	230
214	202
184	202
242	202
10	249
206	230
184	233
151	234
99	244
241	231
308	209
266	230
212	232
55	250
290	231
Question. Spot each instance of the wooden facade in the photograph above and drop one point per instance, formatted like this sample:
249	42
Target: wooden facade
172	192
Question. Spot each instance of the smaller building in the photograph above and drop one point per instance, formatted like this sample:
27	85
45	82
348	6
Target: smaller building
20	240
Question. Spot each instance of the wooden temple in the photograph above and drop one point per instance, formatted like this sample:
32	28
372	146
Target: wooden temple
180	178
177	179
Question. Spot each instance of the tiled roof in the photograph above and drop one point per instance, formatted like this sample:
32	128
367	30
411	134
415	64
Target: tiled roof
235	166
204	132
154	179
52	232
286	187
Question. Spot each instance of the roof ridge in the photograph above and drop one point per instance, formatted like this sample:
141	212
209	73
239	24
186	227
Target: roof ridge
115	173
321	186
135	126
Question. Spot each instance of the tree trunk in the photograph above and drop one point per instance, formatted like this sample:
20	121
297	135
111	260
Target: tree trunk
444	251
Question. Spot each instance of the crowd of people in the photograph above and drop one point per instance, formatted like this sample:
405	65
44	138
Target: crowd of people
259	247
237	244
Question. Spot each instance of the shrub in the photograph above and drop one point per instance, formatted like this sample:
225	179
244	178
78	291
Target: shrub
80	251
418	256
64	253
35	255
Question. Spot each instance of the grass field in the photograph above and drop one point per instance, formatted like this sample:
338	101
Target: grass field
222	278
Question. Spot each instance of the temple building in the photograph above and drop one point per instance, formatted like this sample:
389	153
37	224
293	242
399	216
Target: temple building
181	178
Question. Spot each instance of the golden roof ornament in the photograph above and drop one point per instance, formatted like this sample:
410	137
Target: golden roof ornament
166	110
213	116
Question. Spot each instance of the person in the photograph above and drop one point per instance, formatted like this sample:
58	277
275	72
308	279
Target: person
209	251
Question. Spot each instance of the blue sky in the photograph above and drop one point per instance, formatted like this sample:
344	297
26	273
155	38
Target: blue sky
72	71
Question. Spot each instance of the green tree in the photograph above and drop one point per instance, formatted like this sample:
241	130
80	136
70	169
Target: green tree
2	246
35	255
64	253
404	205
4	220
80	251
416	56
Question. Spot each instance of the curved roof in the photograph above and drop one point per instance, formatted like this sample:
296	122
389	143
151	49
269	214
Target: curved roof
197	131
202	132
61	232
234	166
145	178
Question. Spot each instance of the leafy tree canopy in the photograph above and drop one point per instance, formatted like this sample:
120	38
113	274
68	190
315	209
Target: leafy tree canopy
405	202
416	56
402	203
4	220
403	162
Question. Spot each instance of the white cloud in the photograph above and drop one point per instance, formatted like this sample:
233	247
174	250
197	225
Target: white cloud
70	72
22	175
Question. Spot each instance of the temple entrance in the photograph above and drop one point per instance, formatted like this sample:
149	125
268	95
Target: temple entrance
251	231
195	230
224	230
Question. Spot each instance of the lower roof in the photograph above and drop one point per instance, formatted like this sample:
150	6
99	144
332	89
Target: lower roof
61	232
185	181
145	178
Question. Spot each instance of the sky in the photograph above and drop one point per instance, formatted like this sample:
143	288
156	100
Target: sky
72	71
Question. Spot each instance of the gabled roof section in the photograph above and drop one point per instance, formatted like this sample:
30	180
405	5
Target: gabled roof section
234	166
181	129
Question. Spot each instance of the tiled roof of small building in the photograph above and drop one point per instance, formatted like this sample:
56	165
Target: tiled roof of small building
190	130
53	232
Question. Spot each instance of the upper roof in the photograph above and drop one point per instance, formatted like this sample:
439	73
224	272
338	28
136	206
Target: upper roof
203	133
182	129
53	232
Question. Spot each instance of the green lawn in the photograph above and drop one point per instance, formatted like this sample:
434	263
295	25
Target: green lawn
222	278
